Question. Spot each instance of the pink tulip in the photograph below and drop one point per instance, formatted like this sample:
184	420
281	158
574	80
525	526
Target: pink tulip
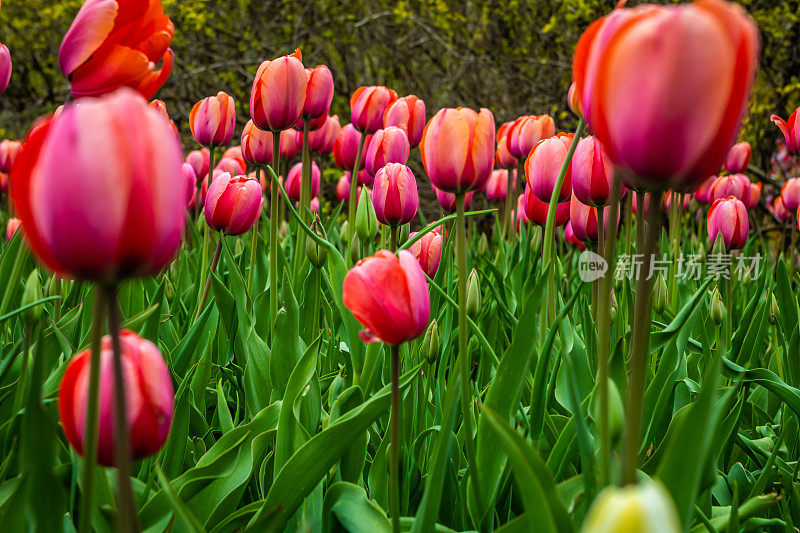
291	143
536	210
458	149
544	164
294	180
702	193
345	148
522	216
428	251
738	158
394	194
737	185
728	217
448	199
319	92
313	206
235	152
667	199
497	186
229	165
199	160
12	226
9	150
790	130
5	68
233	205
570	237
388	145
648	198
755	195
527	131
591	173
343	187
279	91
191	185
584	220
790	193
388	294
368	105
102	218
148	394
503	157
408	113
256	145
779	211
213	119
321	140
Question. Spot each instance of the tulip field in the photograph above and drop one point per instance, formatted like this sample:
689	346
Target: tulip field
213	326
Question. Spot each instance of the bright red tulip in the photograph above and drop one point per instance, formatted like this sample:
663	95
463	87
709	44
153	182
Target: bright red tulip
12	226
213	119
428	251
536	210
394	194
673	127
148	395
9	150
389	145
591	173
527	131
790	130
702	193
102	218
294	181
408	113
738	158
448	199
503	157
497	186
5	68
388	294
728	217
199	159
368	105
345	148
570	237
256	145
544	164
279	91
321	140
737	185
233	205
319	92
790	193
291	143
117	43
458	149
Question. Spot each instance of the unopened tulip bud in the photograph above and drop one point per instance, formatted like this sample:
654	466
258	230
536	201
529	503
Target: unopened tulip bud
366	221
430	343
344	231
483	245
616	410
33	293
473	294
405	231
355	249
613	306
774	310
536	239
660	294
283	230
718	249
316	254
717	307
169	288
646	507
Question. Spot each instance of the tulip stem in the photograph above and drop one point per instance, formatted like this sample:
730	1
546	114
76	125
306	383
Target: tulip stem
305	201
508	223
211	271
253	245
640	349
90	441
126	513
393	232
273	229
206	234
394	467
351	207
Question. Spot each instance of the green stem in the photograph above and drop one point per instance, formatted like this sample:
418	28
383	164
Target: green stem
351	207
508	226
211	271
273	229
206	231
253	245
393	232
305	202
394	467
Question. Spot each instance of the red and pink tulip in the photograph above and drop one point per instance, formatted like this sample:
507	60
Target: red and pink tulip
278	96
394	195
233	204
728	217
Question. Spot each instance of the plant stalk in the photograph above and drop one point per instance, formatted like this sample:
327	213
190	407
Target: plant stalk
394	467
351	207
273	229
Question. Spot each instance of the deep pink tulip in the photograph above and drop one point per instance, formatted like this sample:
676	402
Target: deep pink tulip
213	119
673	127
428	251
779	211
233	205
408	113
279	91
294	181
9	150
527	131
448	199
584	220
388	294
737	185
536	210
343	187
790	130
5	68
543	165
702	193
394	194
522	216
256	145
728	217
591	173
291	143
148	394
368	105
12	226
191	185
458	149
313	206
102	218
199	159
345	147
497	186
738	158
503	157
570	237
319	92
321	140
389	145
790	192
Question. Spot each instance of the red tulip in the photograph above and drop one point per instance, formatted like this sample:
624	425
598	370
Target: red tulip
388	145
458	149
790	130
737	185
291	143
9	150
408	113
345	148
321	140
388	294
790	193
233	205
12	226
428	251
5	68
256	145
673	127
738	158
527	131
544	164
702	193
117	43
591	173
368	105
536	210
279	91
570	237
294	181
102	218
394	194
728	217
319	92
199	159
213	119
497	186
448	199
148	394
503	157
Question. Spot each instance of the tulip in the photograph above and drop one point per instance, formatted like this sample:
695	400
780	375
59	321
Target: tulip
737	185
148	395
235	152
755	195
728	217
790	130
573	103
321	141
543	165
9	150
368	106
790	193
394	194
115	43
536	210
233	205
570	237
674	127
229	165
102	218
294	181
343	187
12	226
5	68
738	158
428	251
458	149
345	148
522	216
497	186
314	205
667	199
448	199
702	193
647	507
212	120
291	142
503	157
591	173
279	93
527	131
191	185
3	182
319	92
256	145
779	211
584	220
388	145
647	199
408	113
199	160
